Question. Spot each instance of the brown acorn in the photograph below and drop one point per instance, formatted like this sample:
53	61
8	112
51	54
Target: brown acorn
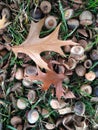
50	22
90	76
86	88
80	70
45	6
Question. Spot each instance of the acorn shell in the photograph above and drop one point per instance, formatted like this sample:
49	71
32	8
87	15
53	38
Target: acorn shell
15	120
86	89
90	76
50	22
22	103
32	116
49	126
54	104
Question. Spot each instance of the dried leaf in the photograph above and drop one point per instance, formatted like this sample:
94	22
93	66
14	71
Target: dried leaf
34	45
49	78
3	22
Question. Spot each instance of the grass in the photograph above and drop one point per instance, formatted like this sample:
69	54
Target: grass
19	34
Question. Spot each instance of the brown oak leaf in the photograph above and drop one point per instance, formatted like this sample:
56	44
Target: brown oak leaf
49	78
33	45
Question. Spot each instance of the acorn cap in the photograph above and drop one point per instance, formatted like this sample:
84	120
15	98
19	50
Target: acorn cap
77	50
27	83
72	63
65	110
31	96
73	23
32	116
90	76
30	70
21	103
86	18
45	6
15	120
50	22
86	89
54	104
45	113
36	14
94	54
49	126
80	70
88	63
85	15
79	108
68	13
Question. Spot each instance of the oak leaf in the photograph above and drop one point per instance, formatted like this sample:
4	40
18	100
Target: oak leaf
49	78
33	45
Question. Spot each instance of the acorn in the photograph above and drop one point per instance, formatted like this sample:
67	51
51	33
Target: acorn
32	116
27	83
22	103
19	74
50	22
94	54
86	18
37	14
90	76
77	52
79	108
15	120
31	96
49	126
86	88
80	70
68	13
88	63
30	71
73	23
72	63
45	6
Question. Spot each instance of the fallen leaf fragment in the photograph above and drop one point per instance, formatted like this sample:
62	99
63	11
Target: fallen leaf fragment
49	78
33	45
3	22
